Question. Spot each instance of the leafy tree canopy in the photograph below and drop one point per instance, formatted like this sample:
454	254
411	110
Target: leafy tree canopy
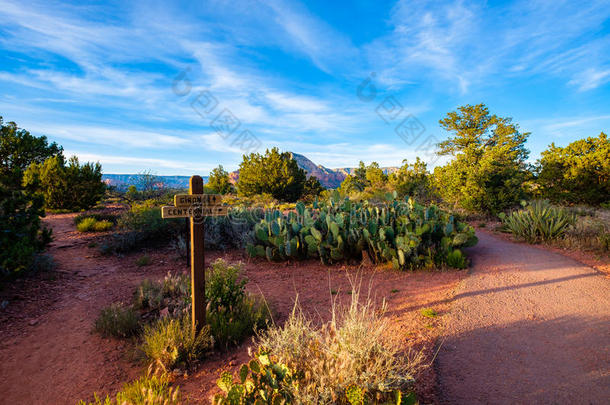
275	173
69	186
219	181
19	149
577	173
489	170
412	179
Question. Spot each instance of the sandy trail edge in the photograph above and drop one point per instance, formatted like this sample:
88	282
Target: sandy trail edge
528	326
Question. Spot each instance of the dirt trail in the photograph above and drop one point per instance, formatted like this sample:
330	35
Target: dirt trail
528	326
48	352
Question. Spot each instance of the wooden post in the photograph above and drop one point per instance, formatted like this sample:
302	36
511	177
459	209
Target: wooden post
197	262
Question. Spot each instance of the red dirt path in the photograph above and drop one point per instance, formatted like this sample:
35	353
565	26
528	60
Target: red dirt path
528	326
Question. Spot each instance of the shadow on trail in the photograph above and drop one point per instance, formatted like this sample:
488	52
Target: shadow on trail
496	290
563	360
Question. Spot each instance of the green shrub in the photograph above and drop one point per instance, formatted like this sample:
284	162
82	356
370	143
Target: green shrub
456	259
97	216
21	233
275	172
142	226
232	313
70	186
171	343
539	222
118	321
143	261
428	312
147	390
91	224
172	293
589	234
577	173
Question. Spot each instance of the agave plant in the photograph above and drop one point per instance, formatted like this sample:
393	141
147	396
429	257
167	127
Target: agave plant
539	222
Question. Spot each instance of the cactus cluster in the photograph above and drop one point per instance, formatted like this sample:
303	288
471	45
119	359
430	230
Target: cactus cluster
261	381
400	232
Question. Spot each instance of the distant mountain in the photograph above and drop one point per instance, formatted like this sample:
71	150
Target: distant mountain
329	178
123	181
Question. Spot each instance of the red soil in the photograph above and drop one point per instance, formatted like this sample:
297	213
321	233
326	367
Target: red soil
51	356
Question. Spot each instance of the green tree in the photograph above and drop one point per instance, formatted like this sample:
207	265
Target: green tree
412	180
312	188
72	186
375	176
219	181
21	233
488	172
361	178
577	173
18	150
274	173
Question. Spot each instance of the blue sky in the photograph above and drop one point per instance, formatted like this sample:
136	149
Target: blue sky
147	85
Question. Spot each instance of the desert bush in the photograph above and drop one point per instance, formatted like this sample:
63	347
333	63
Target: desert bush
232	313
152	389
141	226
171	343
143	261
577	173
98	216
173	293
21	234
589	234
118	321
539	222
274	172
70	186
403	233
233	231
90	224
353	355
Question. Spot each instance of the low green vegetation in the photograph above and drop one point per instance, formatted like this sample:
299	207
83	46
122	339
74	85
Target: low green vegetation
171	343
406	234
233	314
428	312
118	320
143	261
160	315
539	222
147	390
93	225
351	359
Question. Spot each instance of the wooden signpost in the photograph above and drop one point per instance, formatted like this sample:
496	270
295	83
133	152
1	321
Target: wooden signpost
196	206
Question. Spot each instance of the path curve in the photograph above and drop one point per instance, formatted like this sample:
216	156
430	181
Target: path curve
528	326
